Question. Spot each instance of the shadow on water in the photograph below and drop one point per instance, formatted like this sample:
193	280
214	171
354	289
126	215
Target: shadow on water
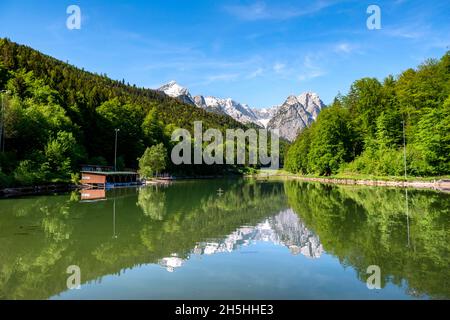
406	235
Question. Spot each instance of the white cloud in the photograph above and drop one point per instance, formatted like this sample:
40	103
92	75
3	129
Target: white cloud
407	32
221	77
310	69
260	11
310	74
258	72
344	48
279	67
198	62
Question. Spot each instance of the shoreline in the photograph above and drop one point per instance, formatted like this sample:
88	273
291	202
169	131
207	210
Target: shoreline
37	190
45	189
440	185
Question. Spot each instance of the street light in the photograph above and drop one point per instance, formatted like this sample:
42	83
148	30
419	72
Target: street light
115	151
2	123
404	148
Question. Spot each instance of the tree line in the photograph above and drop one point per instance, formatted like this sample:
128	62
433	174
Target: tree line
57	116
365	131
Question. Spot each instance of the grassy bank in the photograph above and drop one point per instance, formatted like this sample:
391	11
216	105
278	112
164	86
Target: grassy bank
356	176
440	183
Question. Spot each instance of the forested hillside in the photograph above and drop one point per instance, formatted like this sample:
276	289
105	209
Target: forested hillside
57	116
362	132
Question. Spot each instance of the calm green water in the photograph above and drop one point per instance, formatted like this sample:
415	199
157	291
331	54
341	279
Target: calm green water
231	239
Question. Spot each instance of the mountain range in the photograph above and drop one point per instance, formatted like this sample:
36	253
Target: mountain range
296	113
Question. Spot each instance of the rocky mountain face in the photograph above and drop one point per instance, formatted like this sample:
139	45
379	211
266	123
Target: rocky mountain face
200	102
296	113
285	228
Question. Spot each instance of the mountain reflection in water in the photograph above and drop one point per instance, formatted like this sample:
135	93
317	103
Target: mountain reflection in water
257	240
285	228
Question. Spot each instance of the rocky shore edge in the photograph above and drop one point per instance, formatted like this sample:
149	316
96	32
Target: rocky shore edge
441	185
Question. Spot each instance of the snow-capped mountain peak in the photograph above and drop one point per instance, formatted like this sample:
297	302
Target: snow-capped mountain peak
265	114
174	90
236	110
296	113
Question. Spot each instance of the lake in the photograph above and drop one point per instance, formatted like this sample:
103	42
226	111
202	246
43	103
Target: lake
227	239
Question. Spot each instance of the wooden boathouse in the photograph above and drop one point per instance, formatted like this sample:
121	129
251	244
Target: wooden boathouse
102	177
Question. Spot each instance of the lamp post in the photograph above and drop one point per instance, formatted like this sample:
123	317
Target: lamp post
115	151
2	122
404	147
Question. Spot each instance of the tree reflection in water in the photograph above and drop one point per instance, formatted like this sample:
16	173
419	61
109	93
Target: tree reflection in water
365	226
361	226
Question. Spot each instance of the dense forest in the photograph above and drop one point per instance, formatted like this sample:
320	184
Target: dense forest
364	132
57	116
369	226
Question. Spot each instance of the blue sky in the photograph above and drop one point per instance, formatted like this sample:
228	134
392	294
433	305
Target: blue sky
257	52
